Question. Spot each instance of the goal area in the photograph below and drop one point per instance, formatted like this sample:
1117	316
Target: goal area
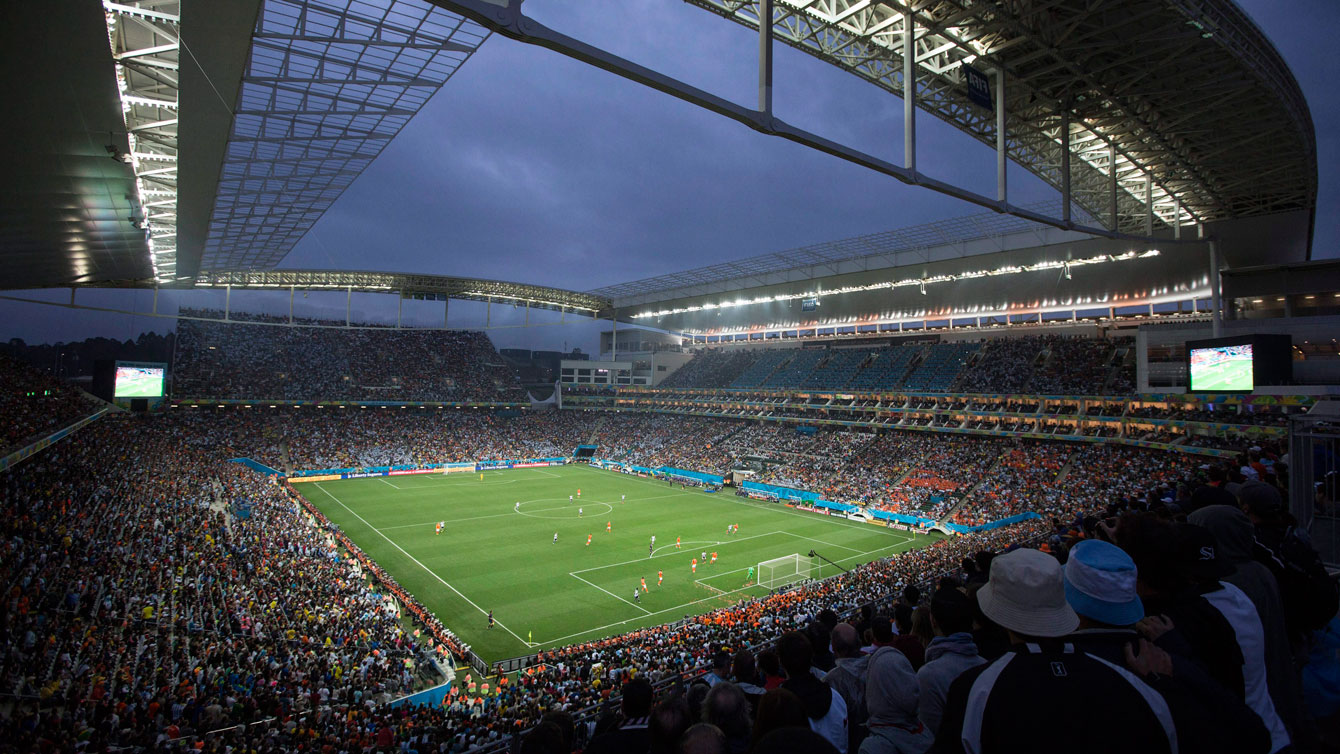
787	569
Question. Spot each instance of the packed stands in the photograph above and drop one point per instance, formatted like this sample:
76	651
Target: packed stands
1038	364
1003	365
321	360
143	616
1074	366
34	404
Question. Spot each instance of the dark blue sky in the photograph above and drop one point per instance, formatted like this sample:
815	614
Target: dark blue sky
529	166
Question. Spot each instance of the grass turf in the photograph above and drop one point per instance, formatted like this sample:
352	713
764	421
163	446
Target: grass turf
493	555
1233	374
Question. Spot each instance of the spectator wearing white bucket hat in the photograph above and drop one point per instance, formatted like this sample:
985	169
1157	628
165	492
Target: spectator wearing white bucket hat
1090	704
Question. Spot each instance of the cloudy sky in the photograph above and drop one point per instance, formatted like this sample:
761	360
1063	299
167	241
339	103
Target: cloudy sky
529	166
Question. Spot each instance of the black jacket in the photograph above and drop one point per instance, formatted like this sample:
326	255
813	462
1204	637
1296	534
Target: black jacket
1055	693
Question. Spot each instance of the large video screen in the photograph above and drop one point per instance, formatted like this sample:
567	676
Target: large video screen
139	381
1222	368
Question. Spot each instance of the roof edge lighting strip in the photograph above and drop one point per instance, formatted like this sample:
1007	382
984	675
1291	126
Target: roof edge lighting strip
140	38
920	282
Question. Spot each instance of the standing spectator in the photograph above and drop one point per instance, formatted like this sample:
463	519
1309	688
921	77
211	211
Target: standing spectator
824	707
848	679
631	735
891	693
949	654
1100	584
1235	536
727	709
906	641
1089	704
747	678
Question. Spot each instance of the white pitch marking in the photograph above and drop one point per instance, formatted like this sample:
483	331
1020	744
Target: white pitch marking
416	562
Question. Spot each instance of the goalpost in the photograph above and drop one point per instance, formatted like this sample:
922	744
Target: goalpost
787	569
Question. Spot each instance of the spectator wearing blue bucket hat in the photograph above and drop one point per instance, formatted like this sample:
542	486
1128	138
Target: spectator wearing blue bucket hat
1100	586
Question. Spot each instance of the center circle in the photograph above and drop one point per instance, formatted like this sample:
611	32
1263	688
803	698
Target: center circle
565	511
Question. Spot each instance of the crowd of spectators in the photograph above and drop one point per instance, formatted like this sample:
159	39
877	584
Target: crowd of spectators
321	360
138	611
1073	366
34	403
1004	365
141	614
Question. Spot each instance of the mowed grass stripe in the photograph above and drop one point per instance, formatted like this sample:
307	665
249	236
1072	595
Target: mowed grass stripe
504	560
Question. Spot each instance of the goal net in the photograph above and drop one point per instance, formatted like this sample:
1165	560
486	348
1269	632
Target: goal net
785	570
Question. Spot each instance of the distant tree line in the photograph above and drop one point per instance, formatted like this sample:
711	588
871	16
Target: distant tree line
72	360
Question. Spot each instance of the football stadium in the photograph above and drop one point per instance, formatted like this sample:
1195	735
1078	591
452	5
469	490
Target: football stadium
479	376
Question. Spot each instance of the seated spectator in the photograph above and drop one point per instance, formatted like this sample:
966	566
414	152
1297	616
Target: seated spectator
703	738
779	709
1100	584
907	642
726	708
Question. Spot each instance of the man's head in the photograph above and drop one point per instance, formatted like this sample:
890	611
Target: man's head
721	663
795	653
902	616
911	595
726	708
703	738
637	697
1100	581
951	612
1026	595
668	722
845	641
1262	502
743	668
881	628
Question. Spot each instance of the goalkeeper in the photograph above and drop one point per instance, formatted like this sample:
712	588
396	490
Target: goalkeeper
749	579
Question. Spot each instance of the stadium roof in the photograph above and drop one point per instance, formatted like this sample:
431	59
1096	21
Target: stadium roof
424	287
327	85
279	106
919	243
1167	112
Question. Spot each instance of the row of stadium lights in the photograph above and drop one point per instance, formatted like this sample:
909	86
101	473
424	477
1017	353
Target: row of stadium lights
273	405
908	282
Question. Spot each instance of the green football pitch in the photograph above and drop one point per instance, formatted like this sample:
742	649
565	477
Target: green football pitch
1227	375
497	550
139	386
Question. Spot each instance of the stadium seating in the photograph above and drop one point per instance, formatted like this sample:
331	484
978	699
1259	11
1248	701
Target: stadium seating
838	369
161	621
941	367
796	370
712	368
317	360
34	404
886	369
763	366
